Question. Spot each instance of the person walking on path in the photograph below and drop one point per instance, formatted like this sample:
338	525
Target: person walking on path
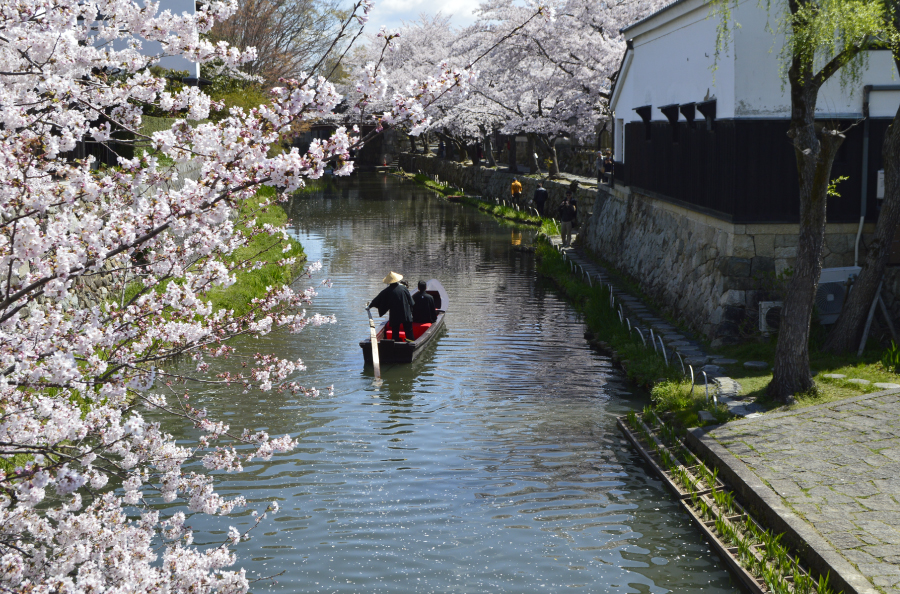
540	198
395	298
516	190
609	166
566	218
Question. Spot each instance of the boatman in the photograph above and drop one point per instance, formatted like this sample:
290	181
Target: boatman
396	300
423	306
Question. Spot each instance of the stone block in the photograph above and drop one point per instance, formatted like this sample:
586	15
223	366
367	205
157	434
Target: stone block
833	260
738	283
732	297
722	242
735	313
782	264
786	240
739	267
764	245
762	265
786	252
744	246
706	417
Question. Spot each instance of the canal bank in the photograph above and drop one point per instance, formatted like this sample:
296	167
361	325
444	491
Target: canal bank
824	476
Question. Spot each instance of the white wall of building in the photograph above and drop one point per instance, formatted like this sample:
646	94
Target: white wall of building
673	62
761	90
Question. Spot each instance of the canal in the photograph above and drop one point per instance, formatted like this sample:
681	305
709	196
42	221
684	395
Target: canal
491	464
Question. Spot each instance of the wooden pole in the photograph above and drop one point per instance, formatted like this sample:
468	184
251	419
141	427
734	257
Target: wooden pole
374	338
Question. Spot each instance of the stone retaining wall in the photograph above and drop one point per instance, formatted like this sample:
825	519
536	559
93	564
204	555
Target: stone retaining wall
707	272
492	183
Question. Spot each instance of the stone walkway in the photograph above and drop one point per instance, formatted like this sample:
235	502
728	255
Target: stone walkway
682	351
831	474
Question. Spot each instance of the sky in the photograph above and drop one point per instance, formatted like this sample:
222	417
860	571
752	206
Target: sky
392	13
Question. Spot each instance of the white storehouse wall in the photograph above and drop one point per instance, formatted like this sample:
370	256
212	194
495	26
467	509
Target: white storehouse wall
673	61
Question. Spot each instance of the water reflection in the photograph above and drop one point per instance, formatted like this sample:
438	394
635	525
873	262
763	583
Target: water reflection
491	464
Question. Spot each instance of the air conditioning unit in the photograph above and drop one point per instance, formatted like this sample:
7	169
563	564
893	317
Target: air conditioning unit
834	286
769	315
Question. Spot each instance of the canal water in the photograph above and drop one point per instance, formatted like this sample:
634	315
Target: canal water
490	465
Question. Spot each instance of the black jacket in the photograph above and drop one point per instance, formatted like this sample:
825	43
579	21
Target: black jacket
540	195
396	299
423	308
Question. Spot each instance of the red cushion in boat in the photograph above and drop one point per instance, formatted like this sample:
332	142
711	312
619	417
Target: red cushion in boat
418	331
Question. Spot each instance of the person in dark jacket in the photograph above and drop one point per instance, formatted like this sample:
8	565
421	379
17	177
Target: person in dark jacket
540	198
567	216
424	311
396	300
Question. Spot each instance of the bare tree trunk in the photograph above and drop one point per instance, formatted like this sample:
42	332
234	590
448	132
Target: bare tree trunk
533	165
461	152
847	332
412	144
553	169
815	149
513	166
489	141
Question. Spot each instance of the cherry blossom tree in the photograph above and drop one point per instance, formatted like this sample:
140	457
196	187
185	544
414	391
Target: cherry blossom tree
553	79
81	465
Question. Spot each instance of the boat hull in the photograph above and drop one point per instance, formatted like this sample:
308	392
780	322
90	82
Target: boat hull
400	352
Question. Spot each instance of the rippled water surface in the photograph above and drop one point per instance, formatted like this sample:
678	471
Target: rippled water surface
491	464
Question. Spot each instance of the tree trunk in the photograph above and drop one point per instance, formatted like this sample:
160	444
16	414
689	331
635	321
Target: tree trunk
412	144
533	165
847	332
553	169
462	153
513	166
815	149
489	144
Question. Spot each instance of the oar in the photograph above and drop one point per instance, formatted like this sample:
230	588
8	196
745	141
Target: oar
375	362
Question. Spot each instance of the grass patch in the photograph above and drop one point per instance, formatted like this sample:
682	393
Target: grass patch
252	284
499	211
265	248
442	189
503	212
684	404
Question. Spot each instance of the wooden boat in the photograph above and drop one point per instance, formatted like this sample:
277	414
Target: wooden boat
405	352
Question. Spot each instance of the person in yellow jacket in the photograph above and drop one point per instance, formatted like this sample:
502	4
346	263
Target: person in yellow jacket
516	190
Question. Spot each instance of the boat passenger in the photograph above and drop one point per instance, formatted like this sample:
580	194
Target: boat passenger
424	311
395	298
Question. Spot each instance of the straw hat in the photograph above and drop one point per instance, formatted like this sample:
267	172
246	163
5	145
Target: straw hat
392	278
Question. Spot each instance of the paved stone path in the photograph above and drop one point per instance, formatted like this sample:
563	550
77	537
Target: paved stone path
837	467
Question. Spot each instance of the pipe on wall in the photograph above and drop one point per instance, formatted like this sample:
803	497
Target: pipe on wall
864	194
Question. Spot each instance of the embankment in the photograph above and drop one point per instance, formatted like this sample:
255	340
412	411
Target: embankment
492	183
